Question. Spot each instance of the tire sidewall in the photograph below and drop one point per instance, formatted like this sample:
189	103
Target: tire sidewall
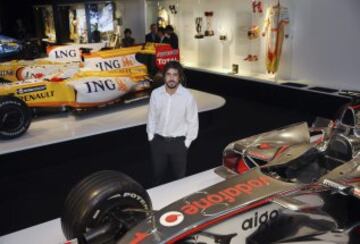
99	195
15	103
125	199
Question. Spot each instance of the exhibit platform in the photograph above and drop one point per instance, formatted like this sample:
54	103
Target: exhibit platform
50	232
305	85
68	126
305	98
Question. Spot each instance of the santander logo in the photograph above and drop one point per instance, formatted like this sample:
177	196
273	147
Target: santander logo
172	218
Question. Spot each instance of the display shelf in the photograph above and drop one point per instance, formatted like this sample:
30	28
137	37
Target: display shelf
323	89
50	232
242	74
294	84
305	85
69	126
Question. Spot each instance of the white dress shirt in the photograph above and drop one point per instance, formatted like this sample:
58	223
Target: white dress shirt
173	115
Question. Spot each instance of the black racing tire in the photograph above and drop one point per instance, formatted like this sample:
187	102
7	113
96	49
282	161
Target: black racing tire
15	117
100	199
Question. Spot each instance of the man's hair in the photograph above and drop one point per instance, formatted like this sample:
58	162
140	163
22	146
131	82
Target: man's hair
169	28
177	66
162	30
127	30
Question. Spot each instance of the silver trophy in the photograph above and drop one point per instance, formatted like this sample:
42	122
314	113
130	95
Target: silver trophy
209	31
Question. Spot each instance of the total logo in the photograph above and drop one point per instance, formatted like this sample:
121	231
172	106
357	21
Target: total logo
172	218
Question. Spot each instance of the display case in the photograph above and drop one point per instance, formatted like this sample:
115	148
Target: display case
80	22
45	24
250	38
77	23
102	21
92	22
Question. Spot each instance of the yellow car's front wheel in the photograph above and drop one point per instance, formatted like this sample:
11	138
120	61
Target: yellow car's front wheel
15	117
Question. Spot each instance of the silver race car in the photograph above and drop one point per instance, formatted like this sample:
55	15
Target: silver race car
291	169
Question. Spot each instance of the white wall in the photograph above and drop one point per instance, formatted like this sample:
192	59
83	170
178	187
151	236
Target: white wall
231	17
133	14
326	42
323	46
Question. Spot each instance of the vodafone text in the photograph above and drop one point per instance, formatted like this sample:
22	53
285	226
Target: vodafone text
228	195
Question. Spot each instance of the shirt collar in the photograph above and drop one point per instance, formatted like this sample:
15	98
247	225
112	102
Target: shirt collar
179	91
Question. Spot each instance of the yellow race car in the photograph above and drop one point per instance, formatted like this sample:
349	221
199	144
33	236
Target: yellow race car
99	79
86	89
70	59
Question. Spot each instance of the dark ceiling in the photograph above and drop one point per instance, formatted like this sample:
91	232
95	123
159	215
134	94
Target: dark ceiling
11	10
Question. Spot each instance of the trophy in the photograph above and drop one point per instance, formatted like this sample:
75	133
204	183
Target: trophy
253	32
198	26
222	38
209	31
235	69
257	6
172	9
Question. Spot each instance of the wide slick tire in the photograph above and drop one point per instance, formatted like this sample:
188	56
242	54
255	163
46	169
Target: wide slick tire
15	117
104	198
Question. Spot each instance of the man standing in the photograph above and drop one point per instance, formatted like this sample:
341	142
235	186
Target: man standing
173	124
174	40
152	36
162	37
128	41
96	35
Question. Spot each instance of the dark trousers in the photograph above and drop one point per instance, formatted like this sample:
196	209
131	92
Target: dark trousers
167	153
